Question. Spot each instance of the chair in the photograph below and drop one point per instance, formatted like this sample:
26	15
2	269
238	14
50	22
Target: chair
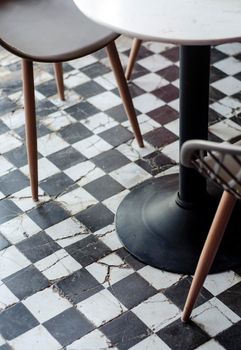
220	163
55	31
136	43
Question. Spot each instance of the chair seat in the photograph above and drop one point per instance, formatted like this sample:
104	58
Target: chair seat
49	30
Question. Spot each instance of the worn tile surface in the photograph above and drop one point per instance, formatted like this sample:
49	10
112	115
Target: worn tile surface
66	282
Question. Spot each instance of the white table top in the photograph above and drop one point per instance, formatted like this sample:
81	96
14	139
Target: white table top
186	22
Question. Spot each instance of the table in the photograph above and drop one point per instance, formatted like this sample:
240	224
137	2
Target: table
164	222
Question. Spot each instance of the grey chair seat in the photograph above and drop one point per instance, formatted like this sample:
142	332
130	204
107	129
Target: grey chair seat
59	19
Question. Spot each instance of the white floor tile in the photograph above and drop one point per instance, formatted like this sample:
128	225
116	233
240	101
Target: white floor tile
57	265
67	232
101	308
151	343
150	82
11	261
109	270
217	283
92	146
84	172
7	298
8	142
147	102
154	62
57	120
46	304
212	319
157	278
37	338
77	200
92	341
105	100
99	122
50	143
228	85
157	312
130	175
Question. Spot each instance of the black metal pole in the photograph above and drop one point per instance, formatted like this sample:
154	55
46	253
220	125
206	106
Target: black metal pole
194	95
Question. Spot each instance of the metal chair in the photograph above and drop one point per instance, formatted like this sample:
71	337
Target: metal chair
220	163
55	31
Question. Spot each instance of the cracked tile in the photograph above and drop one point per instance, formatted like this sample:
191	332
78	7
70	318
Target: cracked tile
57	265
101	308
157	312
67	232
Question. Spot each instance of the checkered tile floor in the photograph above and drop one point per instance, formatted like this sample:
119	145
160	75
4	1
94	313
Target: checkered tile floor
65	280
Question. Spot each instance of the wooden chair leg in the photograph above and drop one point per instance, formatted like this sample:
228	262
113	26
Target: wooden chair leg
209	251
132	58
58	70
30	125
124	91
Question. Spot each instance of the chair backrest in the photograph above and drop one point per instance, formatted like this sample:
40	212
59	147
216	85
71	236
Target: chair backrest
220	163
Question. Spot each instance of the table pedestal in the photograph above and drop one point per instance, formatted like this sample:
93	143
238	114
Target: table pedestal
162	225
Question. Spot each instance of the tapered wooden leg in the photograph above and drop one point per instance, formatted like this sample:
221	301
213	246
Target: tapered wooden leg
58	70
209	251
132	58
124	91
30	125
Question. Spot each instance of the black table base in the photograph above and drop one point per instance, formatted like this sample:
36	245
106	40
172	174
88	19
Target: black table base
157	230
167	230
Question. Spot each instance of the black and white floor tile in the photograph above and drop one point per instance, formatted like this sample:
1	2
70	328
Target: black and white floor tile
66	282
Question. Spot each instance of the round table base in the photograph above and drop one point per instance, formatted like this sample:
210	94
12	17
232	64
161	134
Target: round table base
161	233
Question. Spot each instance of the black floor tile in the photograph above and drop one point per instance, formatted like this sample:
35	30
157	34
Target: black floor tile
172	54
96	217
178	292
38	247
132	290
88	250
66	158
48	88
26	282
125	331
6	106
89	89
179	335
160	137
3	128
130	259
104	187
75	132
230	339
116	135
231	298
155	163
117	113
8	210
79	286
68	326
16	320
5	347
163	115
47	215
82	110
13	182
3	242
45	108
18	156
56	184
95	69
110	160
